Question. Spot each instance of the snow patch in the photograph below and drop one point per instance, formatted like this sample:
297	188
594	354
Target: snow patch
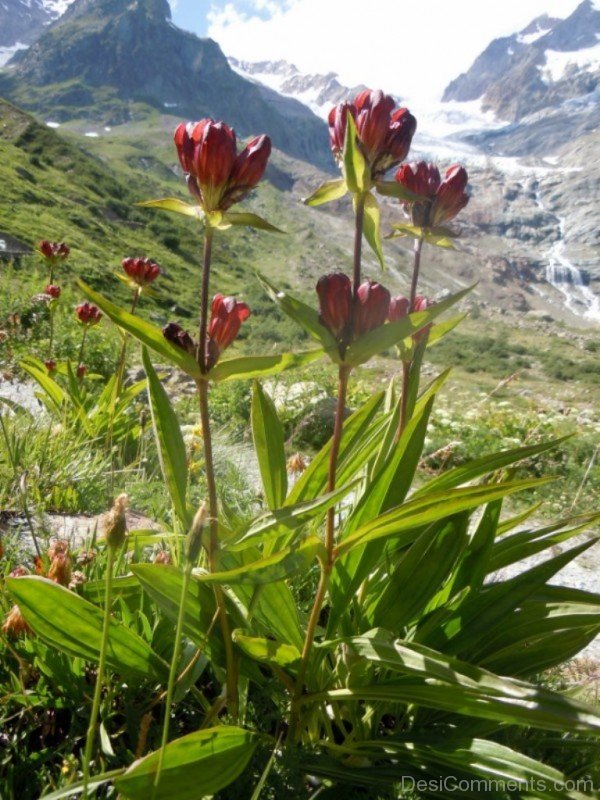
92	135
557	62
170	105
6	53
530	38
53	124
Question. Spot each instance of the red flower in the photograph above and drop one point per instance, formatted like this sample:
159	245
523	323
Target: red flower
384	133
175	334
443	198
142	271
422	304
226	317
335	301
52	291
88	314
399	308
50	365
216	175
81	371
54	251
372	306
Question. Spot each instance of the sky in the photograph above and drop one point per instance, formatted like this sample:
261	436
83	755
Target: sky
413	49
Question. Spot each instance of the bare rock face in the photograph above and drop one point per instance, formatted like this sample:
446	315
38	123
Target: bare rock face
22	21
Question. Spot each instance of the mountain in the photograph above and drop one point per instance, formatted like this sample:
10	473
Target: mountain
22	21
551	64
104	56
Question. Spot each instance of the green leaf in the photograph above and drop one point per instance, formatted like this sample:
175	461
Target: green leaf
169	442
425	510
75	788
482	466
392	333
250	220
144	332
269	569
174	204
356	170
74	626
268	651
372	226
440	330
437	681
247	367
267	432
304	315
327	192
194	766
39	373
397	190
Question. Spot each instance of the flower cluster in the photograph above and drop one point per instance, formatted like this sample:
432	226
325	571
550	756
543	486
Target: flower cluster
52	291
384	132
88	314
54	251
442	198
217	175
226	317
141	271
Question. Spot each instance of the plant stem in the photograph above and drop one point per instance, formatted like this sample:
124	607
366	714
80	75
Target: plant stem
91	732
213	509
172	676
51	343
327	564
121	367
416	268
358	234
83	338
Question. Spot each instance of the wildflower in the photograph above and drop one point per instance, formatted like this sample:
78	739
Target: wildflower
217	176
226	317
335	303
78	578
52	291
175	334
86	557
81	371
372	306
384	132
88	314
50	365
15	624
296	464
54	251
399	308
58	547
444	198
421	304
162	557
19	571
141	271
115	522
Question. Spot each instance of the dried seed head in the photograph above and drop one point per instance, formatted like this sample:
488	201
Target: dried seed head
60	569
194	537
115	522
15	624
296	464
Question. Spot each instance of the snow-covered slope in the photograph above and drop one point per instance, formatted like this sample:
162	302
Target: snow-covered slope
22	21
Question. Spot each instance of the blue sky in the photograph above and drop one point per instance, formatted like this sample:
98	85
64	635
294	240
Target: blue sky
407	47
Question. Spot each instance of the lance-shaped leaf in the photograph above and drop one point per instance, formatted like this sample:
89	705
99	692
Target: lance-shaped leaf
392	333
267	432
268	651
372	226
246	367
174	204
74	626
169	442
276	567
144	332
445	683
400	192
356	169
327	192
197	765
39	373
248	220
304	315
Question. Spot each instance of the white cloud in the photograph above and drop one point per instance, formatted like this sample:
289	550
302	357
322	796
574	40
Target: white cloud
412	49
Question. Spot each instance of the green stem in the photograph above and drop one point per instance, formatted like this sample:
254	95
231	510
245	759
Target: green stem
416	269
91	732
121	366
328	562
213	508
83	338
358	234
172	676
51	343
406	367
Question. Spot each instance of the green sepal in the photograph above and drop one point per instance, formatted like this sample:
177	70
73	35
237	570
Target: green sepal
248	219
176	205
327	193
356	169
372	225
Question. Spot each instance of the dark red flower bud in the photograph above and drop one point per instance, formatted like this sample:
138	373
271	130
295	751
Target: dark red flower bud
52	291
88	314
54	251
443	199
175	334
18	572
372	306
384	134
335	303
422	304
399	308
142	271
81	371
226	317
247	171
451	196
50	365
